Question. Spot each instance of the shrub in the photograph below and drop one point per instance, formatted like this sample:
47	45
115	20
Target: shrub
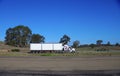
15	50
102	49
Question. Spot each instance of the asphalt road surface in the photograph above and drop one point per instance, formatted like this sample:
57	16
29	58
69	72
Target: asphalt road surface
60	66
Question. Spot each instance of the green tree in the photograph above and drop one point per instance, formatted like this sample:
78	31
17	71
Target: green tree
65	39
108	43
36	38
9	39
99	42
92	45
76	44
117	44
18	36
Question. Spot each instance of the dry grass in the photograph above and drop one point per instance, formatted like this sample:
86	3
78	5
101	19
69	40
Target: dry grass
5	50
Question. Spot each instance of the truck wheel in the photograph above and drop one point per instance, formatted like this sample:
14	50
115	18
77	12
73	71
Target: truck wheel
31	52
38	51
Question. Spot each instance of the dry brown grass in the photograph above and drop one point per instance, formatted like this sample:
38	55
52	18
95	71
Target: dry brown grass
7	48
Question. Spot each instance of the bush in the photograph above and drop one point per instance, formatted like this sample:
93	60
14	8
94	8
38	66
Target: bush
102	49
15	50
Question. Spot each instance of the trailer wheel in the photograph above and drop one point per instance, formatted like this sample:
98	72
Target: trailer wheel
31	52
38	51
34	51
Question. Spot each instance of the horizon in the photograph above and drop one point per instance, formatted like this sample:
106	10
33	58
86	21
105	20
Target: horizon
83	20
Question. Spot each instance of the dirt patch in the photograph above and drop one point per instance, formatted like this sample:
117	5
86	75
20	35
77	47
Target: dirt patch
3	50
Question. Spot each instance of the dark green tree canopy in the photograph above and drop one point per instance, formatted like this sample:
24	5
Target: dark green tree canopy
108	43
99	42
65	39
9	39
117	44
76	44
36	38
92	45
18	36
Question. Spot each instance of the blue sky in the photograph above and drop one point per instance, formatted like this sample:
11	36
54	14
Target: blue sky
83	20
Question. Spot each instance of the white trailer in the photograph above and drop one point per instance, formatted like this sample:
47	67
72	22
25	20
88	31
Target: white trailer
35	46
45	47
49	47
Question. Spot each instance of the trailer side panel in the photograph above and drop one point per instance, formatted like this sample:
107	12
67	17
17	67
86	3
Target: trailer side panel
35	47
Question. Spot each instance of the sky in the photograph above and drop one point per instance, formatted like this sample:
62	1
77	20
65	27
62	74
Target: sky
83	20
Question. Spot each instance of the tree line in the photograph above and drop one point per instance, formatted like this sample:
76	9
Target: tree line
99	43
21	36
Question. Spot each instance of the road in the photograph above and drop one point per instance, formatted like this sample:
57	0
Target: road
62	64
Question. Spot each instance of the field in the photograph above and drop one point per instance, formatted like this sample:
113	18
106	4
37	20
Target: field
84	62
5	50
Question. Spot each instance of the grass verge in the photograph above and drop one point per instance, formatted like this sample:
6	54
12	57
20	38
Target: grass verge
80	53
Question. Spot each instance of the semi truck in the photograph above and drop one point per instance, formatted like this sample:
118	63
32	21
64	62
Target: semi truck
50	47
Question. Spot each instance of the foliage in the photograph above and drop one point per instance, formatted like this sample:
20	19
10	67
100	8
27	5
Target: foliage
117	44
102	49
15	50
85	45
1	42
36	38
92	45
48	54
18	36
76	44
98	42
9	36
79	53
65	39
108	43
